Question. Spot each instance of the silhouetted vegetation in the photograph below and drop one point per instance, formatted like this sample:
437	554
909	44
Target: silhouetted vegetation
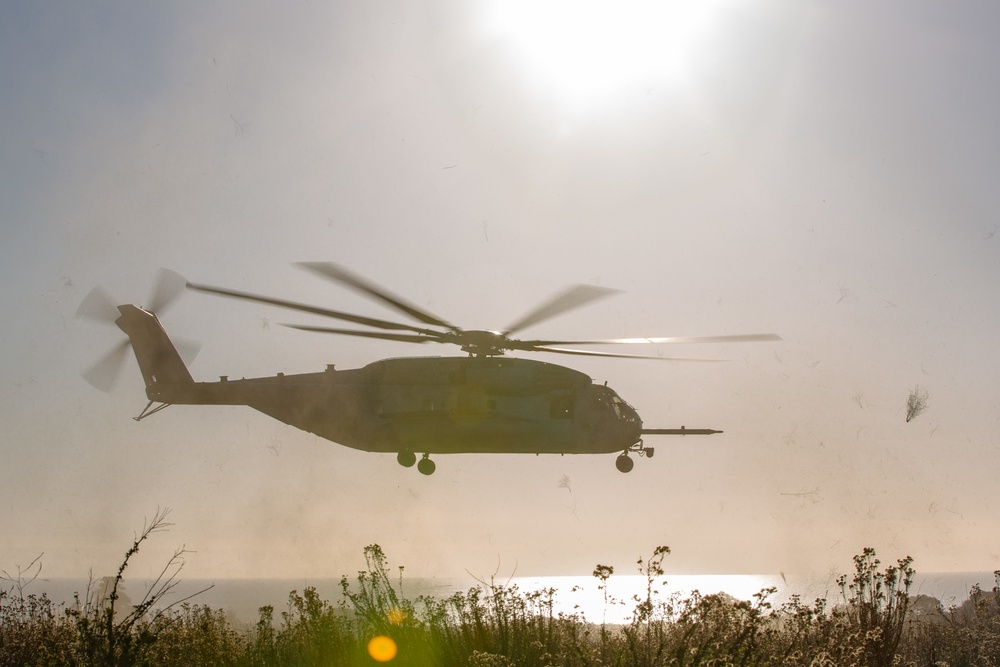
874	623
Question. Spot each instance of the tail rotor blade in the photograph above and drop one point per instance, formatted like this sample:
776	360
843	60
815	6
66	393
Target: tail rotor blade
188	349
169	285
103	374
98	306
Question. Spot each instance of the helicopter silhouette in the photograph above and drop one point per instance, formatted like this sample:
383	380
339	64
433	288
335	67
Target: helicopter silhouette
484	402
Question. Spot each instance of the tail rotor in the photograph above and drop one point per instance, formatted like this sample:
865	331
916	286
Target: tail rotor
169	286
98	306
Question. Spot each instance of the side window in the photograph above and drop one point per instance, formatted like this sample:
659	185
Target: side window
561	407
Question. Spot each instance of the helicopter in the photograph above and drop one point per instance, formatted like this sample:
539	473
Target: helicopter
484	402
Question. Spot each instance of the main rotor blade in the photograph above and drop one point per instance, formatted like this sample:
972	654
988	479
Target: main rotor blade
169	286
103	374
405	338
739	338
304	308
98	306
574	297
589	353
345	277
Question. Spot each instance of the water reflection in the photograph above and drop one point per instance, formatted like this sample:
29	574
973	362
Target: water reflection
583	596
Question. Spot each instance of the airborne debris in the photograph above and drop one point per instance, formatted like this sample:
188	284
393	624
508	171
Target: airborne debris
916	403
564	483
239	129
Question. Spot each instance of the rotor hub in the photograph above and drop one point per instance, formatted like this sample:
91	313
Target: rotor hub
482	343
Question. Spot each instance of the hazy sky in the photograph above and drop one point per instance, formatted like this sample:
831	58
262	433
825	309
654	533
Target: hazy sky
826	170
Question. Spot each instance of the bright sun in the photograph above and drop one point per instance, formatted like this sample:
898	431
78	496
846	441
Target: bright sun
584	49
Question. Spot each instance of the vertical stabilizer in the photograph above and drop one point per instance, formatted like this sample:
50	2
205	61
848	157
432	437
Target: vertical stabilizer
162	367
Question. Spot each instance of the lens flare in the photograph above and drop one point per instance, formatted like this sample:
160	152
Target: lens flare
382	648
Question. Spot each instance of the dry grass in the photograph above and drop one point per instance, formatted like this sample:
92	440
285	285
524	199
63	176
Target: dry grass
501	626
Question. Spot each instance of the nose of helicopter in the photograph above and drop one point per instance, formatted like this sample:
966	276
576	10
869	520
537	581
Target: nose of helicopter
631	423
627	425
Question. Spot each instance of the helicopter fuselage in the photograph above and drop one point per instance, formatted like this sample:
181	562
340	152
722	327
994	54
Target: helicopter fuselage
436	405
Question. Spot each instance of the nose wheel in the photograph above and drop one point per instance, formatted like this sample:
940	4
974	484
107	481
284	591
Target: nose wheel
624	462
406	459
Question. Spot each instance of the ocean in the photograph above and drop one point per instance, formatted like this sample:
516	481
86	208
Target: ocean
241	598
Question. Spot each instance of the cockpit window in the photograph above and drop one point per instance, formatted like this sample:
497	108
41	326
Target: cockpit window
616	404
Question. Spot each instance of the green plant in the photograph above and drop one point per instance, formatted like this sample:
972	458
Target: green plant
112	637
876	605
499	625
31	631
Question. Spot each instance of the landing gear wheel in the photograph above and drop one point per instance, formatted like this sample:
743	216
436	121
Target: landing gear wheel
624	463
649	452
406	459
426	466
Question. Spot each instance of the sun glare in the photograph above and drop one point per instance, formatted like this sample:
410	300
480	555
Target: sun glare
382	648
584	49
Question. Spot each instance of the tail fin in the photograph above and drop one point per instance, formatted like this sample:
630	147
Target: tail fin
162	367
